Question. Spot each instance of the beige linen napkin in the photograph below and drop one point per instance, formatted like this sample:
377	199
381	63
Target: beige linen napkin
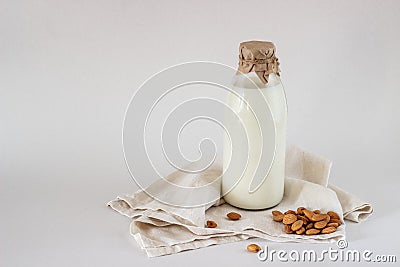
161	229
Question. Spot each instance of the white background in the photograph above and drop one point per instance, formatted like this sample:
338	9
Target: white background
69	68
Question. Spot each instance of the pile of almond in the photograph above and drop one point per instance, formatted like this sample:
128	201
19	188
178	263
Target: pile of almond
304	221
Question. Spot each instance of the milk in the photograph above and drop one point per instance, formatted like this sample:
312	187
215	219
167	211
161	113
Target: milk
254	142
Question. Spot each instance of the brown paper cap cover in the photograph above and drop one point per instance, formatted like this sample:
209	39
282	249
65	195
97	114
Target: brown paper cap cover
258	57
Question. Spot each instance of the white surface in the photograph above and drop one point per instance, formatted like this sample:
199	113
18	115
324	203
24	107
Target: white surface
68	70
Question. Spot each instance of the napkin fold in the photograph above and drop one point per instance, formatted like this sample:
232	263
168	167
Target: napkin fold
162	229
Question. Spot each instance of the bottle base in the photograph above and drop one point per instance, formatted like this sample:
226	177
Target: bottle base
249	207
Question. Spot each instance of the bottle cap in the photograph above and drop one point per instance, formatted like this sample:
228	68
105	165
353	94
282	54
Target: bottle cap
258	57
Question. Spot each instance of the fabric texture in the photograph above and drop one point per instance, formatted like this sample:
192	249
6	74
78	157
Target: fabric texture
161	229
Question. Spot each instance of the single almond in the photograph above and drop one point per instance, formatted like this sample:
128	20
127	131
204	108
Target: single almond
253	248
318	217
332	225
308	213
335	221
276	212
297	225
288	229
320	224
301	231
233	216
309	226
312	231
211	224
278	218
290	212
328	230
289	218
333	215
328	218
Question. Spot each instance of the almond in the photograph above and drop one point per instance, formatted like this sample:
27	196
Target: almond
332	225
297	225
276	212
301	231
317	211
290	212
320	224
288	229
318	217
328	218
333	215
309	226
308	213
303	218
328	230
233	216
253	248
211	224
278	218
335	221
312	231
289	218
300	210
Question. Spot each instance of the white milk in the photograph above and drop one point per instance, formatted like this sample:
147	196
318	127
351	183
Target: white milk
264	149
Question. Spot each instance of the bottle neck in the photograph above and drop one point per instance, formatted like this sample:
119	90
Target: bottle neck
252	81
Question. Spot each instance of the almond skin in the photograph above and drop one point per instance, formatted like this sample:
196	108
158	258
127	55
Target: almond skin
233	216
276	212
335	221
254	248
301	231
290	212
336	225
328	230
289	219
297	225
333	215
300	210
320	224
312	231
309	226
318	217
288	229
303	218
211	224
278	218
308	213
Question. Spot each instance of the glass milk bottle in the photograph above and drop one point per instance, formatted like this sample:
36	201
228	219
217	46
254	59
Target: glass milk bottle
255	136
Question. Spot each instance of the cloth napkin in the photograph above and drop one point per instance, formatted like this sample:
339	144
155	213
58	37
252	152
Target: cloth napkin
161	229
